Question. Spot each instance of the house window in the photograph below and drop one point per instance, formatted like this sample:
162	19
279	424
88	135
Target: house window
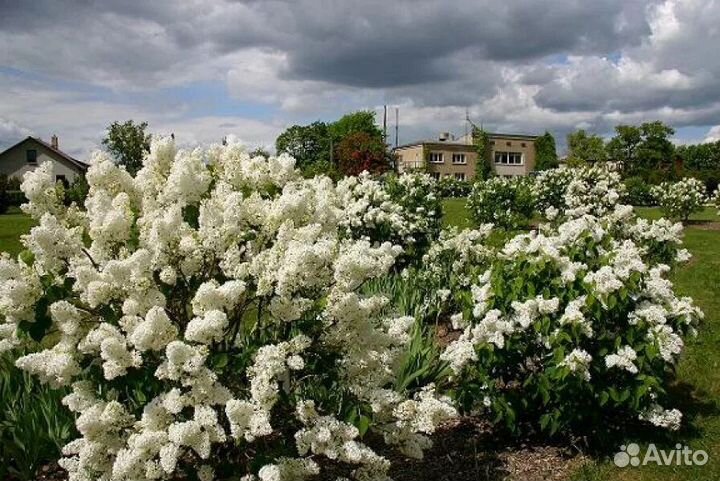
458	159
436	158
508	158
508	144
459	176
31	156
523	144
61	178
435	175
515	158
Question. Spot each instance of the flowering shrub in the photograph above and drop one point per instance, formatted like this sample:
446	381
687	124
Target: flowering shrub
208	317
452	187
577	191
549	188
506	202
404	210
638	192
680	199
716	199
574	326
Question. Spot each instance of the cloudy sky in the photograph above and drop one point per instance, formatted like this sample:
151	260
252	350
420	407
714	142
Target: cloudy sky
203	69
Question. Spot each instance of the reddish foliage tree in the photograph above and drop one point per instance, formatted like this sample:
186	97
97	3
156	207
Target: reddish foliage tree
360	151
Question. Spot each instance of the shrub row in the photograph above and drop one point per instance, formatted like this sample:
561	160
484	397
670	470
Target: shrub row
217	314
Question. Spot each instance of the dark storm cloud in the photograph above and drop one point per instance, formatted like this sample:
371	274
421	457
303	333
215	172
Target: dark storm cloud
522	64
376	44
366	44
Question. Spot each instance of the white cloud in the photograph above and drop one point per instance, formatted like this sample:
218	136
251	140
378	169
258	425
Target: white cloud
713	134
530	66
80	122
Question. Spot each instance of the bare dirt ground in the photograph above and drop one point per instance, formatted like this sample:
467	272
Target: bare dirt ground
463	450
704	225
467	449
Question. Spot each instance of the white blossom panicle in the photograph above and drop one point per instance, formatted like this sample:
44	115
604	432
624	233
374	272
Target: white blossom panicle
623	359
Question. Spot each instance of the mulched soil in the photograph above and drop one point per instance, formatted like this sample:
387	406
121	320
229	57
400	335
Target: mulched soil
704	225
51	472
463	450
467	449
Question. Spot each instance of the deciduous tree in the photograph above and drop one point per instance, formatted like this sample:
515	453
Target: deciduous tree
359	152
128	142
585	148
309	144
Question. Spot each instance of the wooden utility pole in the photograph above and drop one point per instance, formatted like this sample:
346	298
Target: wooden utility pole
397	123
385	125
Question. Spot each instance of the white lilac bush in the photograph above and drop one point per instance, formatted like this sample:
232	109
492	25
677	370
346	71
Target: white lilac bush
680	199
716	199
208	317
571	327
404	210
549	188
575	191
505	202
452	187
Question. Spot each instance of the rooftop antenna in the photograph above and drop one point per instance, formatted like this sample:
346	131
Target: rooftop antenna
467	121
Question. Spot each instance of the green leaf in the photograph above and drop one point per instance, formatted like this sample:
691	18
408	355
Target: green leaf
611	301
27	257
544	421
36	330
221	360
363	424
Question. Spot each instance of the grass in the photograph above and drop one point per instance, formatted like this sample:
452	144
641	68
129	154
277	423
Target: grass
707	214
12	226
455	213
697	392
33	425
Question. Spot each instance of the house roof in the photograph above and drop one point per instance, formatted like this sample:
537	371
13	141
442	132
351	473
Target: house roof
72	160
459	141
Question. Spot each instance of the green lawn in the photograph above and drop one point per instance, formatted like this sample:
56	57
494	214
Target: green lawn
455	213
698	388
707	214
697	392
12	226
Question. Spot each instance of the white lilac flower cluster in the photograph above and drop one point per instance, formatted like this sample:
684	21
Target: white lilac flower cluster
505	202
404	210
680	199
549	187
197	305
447	259
557	315
576	191
593	190
715	199
452	187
